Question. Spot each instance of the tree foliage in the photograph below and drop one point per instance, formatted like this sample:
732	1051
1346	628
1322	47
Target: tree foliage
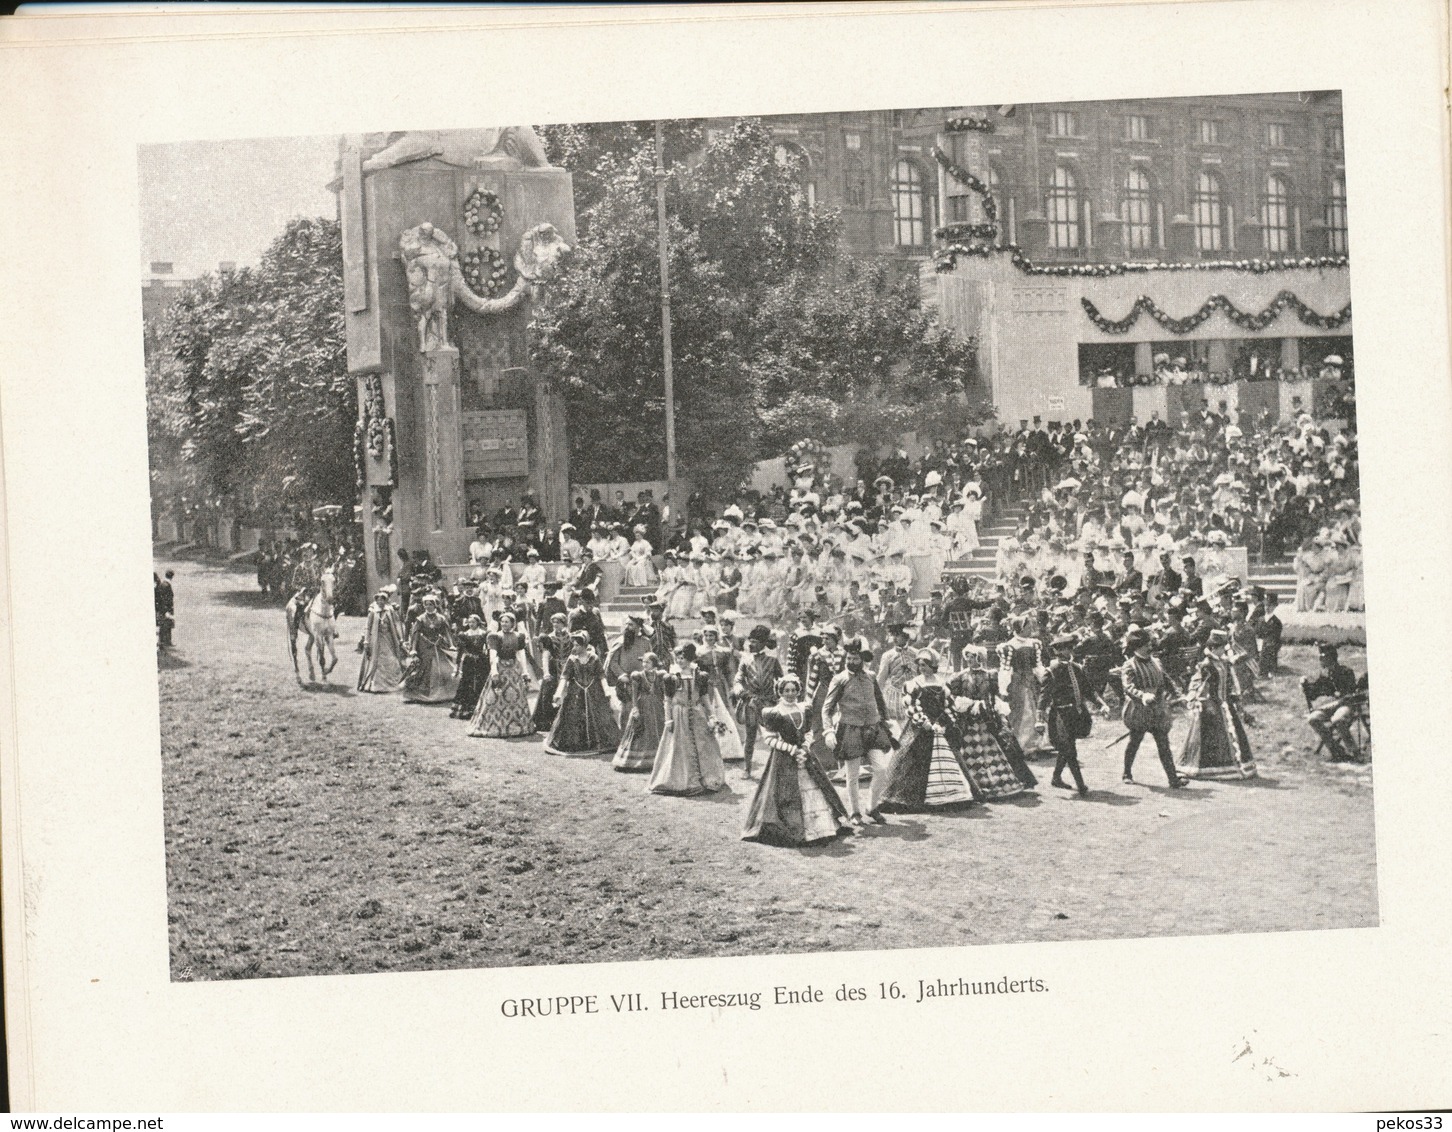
256	389
777	333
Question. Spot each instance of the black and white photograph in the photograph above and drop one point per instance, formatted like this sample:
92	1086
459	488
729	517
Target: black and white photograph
805	532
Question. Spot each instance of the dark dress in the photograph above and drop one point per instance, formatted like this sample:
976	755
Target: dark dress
644	700
927	770
473	669
795	803
433	675
585	723
553	652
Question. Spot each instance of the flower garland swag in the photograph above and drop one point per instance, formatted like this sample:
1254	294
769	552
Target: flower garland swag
373	435
963	177
947	259
483	213
1144	304
966	123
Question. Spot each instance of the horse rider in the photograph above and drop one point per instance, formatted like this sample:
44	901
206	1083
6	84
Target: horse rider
307	576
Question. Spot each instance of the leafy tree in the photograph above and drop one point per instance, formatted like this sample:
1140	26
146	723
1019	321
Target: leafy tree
258	393
777	333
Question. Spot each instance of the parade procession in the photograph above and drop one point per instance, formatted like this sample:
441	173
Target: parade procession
813	482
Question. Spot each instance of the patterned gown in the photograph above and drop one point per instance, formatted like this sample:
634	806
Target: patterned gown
585	723
688	760
927	770
1216	746
503	711
794	803
720	665
644	721
989	766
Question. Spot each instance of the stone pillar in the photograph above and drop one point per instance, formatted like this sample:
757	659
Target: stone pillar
1108	236
1181	238
443	443
1219	359
1033	235
1144	359
1290	353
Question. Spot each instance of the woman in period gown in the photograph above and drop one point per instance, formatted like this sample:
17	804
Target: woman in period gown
382	647
1021	660
795	803
473	667
975	697
554	649
1216	746
503	711
718	662
688	760
585	721
645	716
432	672
927	770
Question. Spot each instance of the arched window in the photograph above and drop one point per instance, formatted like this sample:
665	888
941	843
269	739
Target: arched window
1063	210
907	204
854	183
794	158
1336	218
1139	211
1275	215
1209	213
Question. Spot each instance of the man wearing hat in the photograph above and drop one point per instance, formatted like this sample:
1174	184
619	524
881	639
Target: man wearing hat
854	728
755	687
1334	686
1063	704
661	633
1268	628
801	643
1146	704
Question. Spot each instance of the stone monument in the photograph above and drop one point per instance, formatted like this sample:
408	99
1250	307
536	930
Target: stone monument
448	238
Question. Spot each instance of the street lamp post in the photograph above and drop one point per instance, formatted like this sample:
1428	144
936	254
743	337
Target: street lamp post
663	242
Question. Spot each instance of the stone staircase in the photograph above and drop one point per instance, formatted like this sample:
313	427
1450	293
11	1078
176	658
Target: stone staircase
982	563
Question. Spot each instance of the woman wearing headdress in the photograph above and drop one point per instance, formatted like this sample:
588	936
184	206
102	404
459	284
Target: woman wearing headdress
975	701
688	760
473	666
382	647
718	662
795	803
554	648
1216	744
503	711
1020	668
927	771
584	721
643	692
432	672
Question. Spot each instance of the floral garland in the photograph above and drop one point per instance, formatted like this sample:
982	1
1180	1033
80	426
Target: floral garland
962	176
373	414
483	214
966	231
360	455
947	259
486	272
968	122
392	438
1241	318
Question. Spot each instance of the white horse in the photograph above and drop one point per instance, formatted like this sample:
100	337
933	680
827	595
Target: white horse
318	621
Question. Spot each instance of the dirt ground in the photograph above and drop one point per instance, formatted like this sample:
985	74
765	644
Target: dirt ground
320	831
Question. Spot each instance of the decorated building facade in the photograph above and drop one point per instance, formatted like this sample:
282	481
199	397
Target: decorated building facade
1116	257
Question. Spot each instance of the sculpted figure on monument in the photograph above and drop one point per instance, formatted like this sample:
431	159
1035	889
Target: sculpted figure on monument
515	147
435	278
